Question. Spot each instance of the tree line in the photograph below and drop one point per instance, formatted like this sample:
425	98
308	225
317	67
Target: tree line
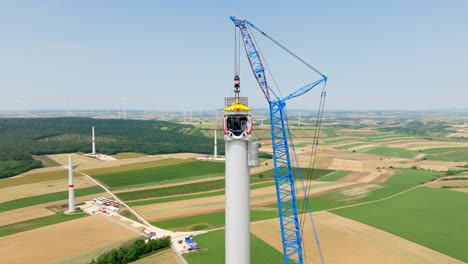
20	138
137	249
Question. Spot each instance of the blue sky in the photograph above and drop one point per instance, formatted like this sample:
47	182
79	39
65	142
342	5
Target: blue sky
178	55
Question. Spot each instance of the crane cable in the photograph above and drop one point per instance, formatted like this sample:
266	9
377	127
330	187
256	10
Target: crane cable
287	50
236	52
307	189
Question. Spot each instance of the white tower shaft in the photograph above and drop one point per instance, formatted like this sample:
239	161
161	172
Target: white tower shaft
299	119
93	141
71	187
237	203
215	145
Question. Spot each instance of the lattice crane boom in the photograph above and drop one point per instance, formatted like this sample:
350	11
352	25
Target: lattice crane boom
283	170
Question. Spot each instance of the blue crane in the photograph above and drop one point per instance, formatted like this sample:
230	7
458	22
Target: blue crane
283	170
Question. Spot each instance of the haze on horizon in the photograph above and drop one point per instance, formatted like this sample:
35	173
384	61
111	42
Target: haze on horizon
391	55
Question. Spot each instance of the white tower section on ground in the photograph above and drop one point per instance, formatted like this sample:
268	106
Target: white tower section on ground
71	187
93	141
215	145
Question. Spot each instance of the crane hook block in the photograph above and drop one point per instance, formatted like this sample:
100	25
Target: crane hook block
236	81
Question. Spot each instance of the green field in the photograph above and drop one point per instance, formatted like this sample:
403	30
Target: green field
47	198
303	132
172	190
209	185
391	152
431	217
307	173
303	144
351	145
447	154
46	161
403	179
176	198
10	229
162	174
35	178
334	176
129	155
135	166
212	250
329	132
341	139
214	220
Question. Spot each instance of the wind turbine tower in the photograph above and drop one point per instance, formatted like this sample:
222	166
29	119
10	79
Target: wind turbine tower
215	145
124	106
299	119
93	141
71	187
21	101
237	126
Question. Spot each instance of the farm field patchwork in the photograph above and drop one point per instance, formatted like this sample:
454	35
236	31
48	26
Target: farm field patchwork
46	161
173	190
447	154
134	166
431	217
391	152
45	187
10	229
207	186
352	145
31	177
334	176
46	198
346	241
193	196
194	207
403	179
128	155
161	174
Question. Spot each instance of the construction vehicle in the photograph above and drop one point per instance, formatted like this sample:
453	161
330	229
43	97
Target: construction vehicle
283	170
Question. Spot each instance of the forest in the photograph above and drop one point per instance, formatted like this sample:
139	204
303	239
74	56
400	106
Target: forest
20	138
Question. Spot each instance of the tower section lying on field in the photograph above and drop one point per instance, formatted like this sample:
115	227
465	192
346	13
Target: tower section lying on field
71	187
237	126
